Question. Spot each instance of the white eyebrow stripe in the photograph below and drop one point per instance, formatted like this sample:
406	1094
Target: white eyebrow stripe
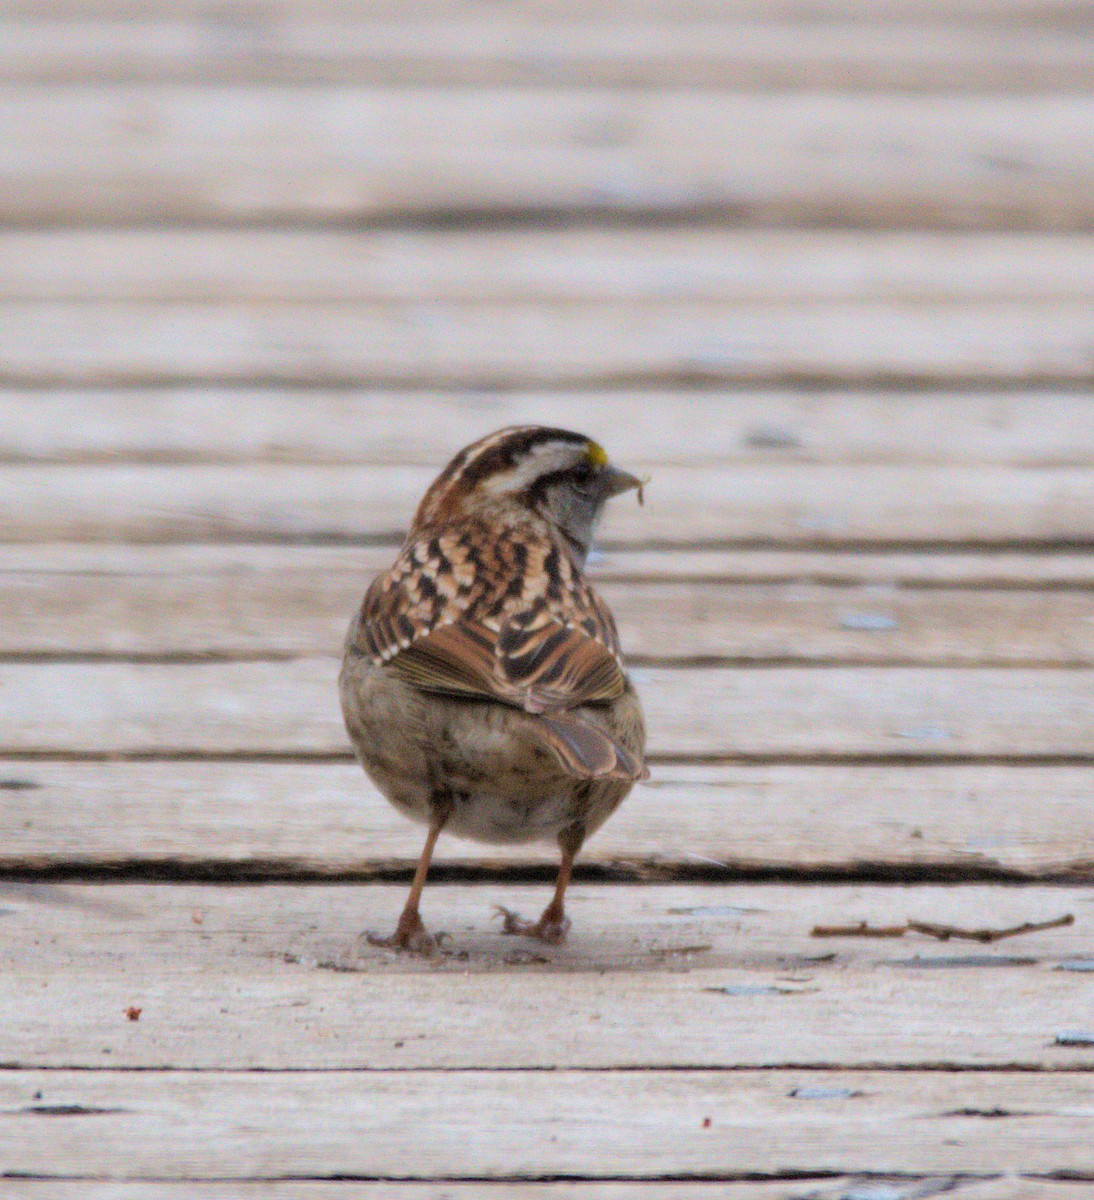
543	459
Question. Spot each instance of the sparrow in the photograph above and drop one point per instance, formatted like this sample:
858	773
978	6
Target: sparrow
482	684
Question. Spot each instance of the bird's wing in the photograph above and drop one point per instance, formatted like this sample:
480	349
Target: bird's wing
450	625
541	656
547	678
548	668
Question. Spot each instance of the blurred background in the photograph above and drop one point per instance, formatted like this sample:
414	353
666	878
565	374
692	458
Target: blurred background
832	256
823	270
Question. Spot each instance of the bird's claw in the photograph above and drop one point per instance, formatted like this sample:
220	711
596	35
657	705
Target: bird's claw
410	937
546	929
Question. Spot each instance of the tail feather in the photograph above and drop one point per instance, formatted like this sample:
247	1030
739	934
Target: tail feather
588	751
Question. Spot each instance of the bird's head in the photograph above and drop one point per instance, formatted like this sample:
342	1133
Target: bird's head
528	473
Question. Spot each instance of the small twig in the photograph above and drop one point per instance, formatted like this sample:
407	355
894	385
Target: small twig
942	932
945	932
860	930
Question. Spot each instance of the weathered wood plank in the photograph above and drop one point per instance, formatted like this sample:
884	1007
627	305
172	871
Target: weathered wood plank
795	504
646	1125
223	154
259	613
278	978
601	264
584	344
321	819
826	1187
938	569
191	425
483	49
1016	14
291	708
987	569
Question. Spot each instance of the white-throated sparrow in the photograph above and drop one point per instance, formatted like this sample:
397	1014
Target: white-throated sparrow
482	685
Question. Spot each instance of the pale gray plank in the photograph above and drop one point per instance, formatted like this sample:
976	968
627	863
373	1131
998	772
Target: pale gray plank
255	613
326	818
666	622
223	154
485	49
206	425
938	569
993	1187
278	978
789	503
626	1125
599	264
1002	14
292	708
450	344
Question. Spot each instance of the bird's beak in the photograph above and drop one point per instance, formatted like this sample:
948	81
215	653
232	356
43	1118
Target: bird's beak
615	481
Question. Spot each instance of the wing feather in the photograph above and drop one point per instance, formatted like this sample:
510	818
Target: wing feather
553	669
475	634
457	659
449	619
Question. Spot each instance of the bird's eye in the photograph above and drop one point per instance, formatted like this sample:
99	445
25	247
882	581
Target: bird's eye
583	477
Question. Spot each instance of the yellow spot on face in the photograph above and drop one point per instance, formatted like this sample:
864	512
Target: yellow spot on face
596	454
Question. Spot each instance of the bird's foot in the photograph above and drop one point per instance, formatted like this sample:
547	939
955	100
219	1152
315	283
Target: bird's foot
410	937
548	928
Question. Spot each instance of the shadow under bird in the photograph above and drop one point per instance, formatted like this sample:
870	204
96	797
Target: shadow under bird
483	686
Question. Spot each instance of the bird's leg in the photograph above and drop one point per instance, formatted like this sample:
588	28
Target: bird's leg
410	934
553	924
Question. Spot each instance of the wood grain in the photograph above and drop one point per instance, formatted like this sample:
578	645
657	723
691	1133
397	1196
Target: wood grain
494	345
598	263
986	569
326	819
617	49
590	1125
765	504
278	979
1034	430
253	613
209	154
821	1188
994	14
823	270
291	708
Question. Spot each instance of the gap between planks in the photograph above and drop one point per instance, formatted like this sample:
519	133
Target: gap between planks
821	1186
238	820
253	615
832	158
654	1125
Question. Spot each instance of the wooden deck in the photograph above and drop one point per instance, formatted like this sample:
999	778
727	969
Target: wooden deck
826	273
